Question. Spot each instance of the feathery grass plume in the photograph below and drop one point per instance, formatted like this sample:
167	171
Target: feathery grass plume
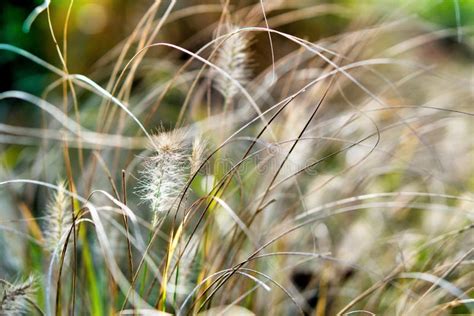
197	154
59	218
165	173
233	58
14	298
184	278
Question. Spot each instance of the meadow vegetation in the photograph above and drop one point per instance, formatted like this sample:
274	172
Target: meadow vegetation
242	158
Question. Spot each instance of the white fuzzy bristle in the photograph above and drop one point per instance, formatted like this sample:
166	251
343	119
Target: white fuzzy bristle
59	218
165	173
14	297
233	57
197	154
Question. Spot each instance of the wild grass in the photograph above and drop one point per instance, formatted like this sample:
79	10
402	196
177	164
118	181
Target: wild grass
247	170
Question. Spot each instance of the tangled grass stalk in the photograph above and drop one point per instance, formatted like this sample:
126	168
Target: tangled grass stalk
327	173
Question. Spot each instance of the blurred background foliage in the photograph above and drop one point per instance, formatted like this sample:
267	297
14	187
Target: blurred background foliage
97	26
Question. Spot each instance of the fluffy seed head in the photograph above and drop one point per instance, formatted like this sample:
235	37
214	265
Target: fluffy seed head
165	173
59	218
197	154
14	299
233	58
188	271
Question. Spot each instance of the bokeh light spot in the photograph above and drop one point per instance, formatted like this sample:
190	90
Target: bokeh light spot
92	18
